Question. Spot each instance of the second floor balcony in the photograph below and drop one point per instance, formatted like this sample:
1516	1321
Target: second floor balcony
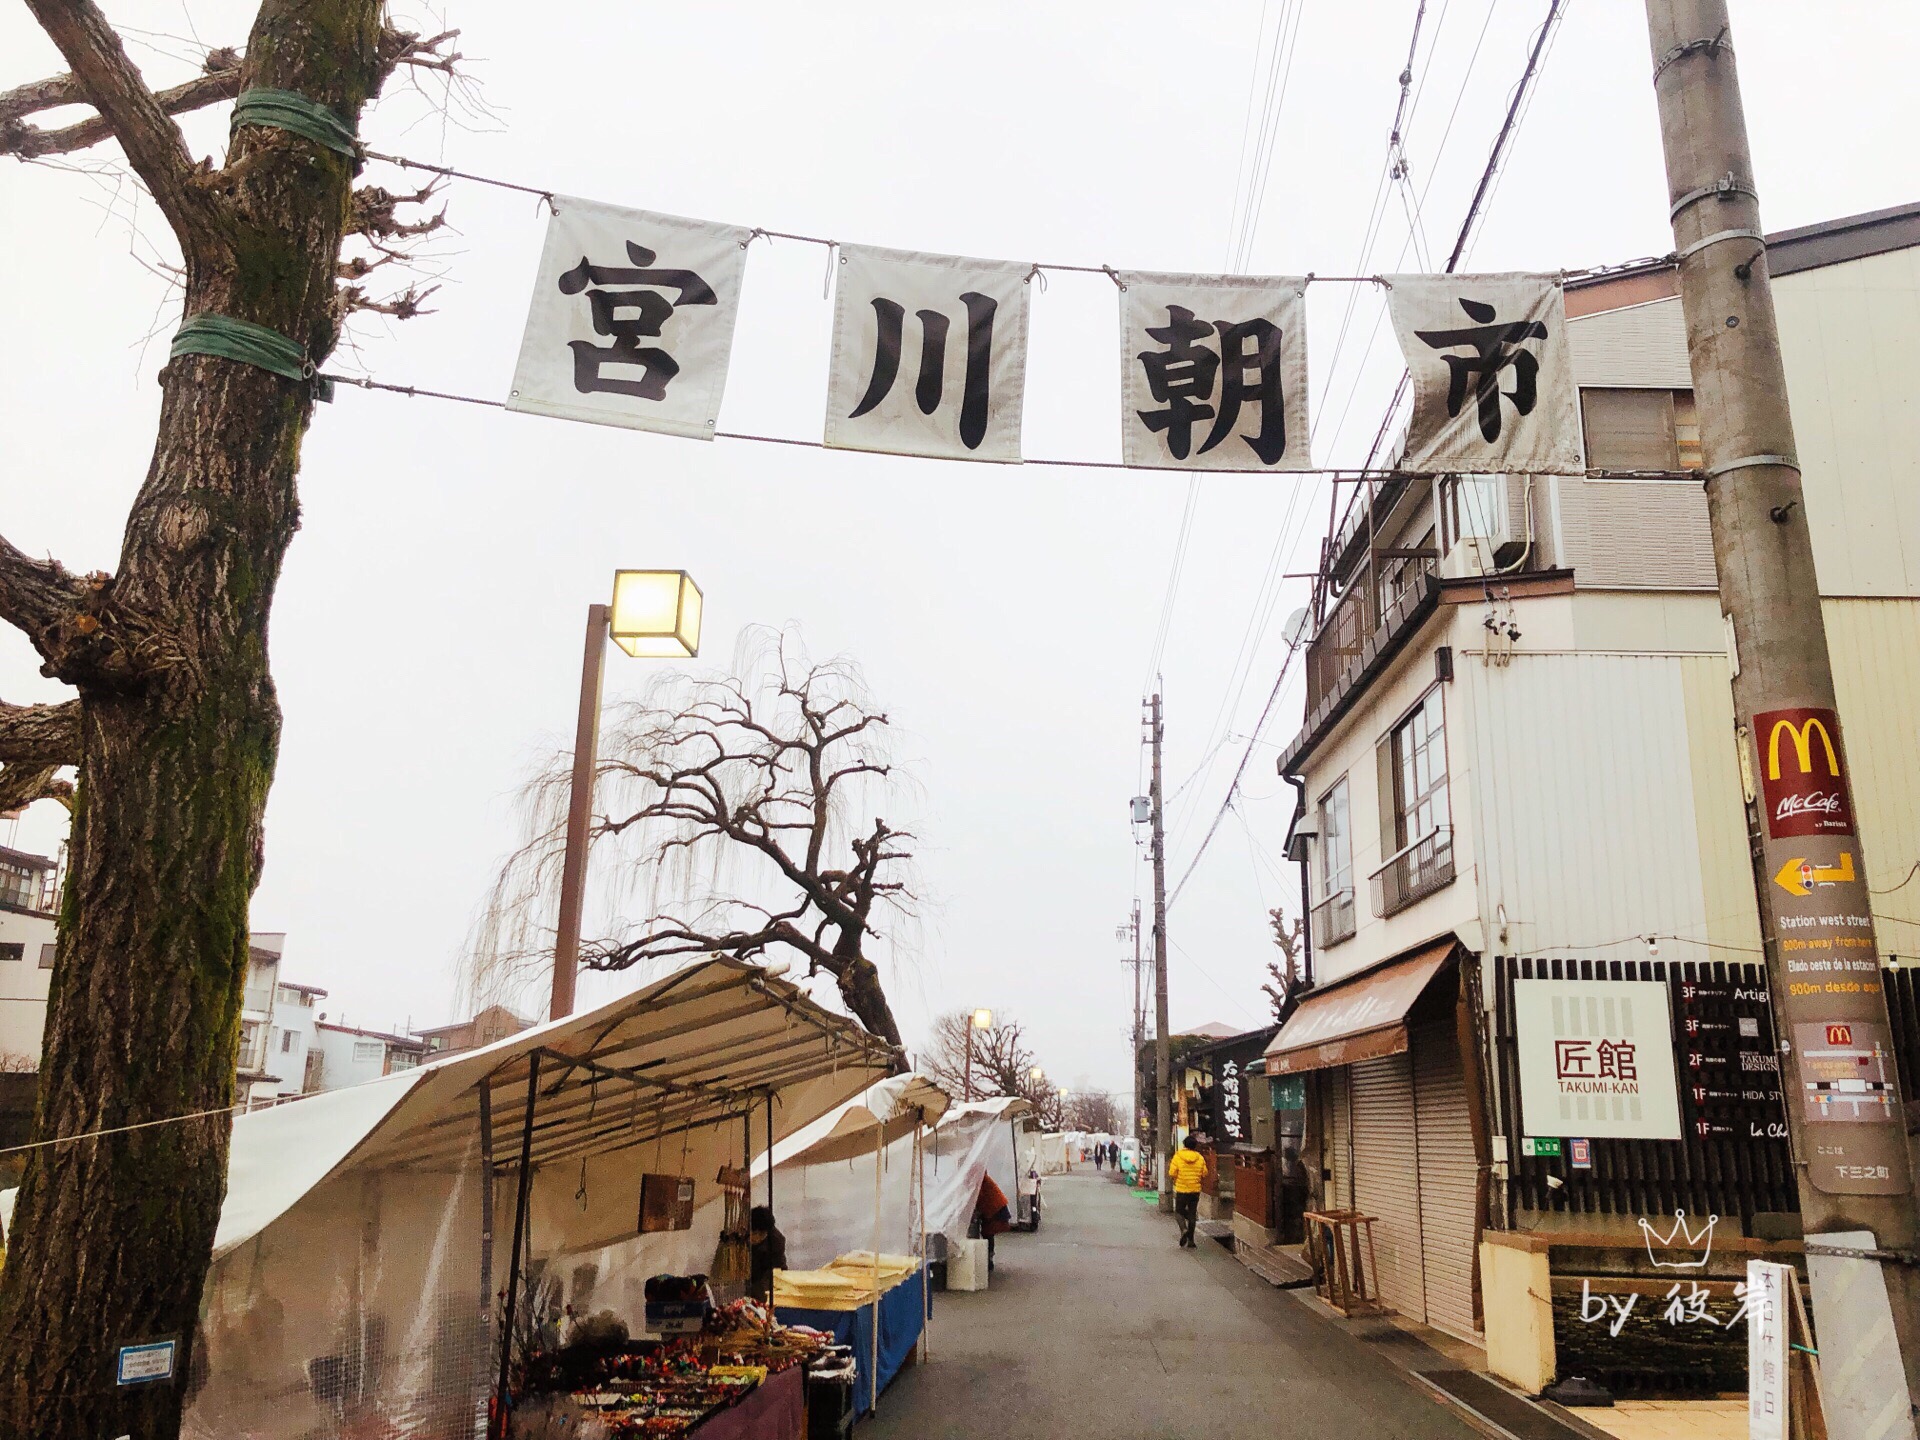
1333	919
1413	872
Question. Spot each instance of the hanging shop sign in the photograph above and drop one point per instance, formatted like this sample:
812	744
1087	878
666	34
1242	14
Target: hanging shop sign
929	355
1214	371
632	319
633	315
1833	1016
1492	372
1596	1059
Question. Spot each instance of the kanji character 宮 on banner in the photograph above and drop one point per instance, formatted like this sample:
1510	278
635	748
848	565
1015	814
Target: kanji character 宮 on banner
632	319
1213	371
929	355
1492	371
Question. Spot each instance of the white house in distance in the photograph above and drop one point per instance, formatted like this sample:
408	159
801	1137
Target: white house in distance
351	1056
26	955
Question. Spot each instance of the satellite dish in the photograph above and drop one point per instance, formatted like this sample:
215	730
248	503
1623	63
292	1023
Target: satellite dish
1296	629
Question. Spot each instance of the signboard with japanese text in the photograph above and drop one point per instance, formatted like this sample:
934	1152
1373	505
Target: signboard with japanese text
1492	371
1839	1061
632	319
929	355
1213	371
1596	1059
1767	1355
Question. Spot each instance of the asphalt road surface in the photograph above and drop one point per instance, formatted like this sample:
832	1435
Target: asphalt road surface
1100	1326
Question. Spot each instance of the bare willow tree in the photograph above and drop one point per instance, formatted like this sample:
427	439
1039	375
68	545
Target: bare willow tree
174	728
731	813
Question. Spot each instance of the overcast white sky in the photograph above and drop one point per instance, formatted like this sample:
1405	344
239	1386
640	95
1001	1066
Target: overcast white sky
427	631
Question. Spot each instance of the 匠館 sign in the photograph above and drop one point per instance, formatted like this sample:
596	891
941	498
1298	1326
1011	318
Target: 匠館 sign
1596	1059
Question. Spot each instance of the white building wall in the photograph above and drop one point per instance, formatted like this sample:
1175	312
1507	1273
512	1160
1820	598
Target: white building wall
23	987
292	1038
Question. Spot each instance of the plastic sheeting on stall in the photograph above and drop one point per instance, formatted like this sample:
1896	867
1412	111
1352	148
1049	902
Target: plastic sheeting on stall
972	1142
1044	1152
367	1232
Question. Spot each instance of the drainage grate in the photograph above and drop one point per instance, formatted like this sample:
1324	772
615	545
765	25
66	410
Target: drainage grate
1504	1411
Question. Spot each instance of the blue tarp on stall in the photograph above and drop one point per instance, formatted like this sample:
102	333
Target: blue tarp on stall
902	1317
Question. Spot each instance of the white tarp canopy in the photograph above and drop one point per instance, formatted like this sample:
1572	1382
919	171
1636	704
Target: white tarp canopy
366	1234
1045	1152
971	1142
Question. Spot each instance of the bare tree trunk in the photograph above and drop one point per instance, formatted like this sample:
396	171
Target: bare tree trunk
859	981
179	729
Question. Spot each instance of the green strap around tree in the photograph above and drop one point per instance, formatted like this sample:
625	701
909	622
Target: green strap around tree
242	340
290	110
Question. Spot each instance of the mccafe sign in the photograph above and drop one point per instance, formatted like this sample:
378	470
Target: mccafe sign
1801	779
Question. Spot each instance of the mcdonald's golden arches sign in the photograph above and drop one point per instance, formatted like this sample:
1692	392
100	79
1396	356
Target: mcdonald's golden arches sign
1802	781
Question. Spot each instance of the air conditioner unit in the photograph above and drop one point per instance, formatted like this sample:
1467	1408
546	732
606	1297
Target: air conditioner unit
1478	521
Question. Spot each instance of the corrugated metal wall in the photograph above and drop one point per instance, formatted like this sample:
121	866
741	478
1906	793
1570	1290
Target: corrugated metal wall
1635	534
1583	808
1449	1178
1642	345
1336	1138
1386	1183
1875	646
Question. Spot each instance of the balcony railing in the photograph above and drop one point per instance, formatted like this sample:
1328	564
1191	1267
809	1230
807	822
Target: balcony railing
1414	872
1333	919
1357	630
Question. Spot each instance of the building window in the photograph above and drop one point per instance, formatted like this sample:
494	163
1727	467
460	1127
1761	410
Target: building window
19	886
46	955
1418	824
1640	429
286	1042
367	1052
12	950
403	1060
1333	918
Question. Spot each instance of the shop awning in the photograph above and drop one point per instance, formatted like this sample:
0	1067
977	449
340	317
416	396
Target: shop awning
1363	1018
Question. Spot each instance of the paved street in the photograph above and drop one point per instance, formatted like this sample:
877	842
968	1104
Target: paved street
1100	1326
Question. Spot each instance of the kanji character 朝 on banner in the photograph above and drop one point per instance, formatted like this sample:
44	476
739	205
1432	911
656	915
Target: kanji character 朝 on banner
1213	371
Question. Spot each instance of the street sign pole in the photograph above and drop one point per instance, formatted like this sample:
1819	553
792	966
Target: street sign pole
1837	1073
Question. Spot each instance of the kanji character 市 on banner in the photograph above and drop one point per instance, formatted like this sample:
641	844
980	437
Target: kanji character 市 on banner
1492	373
929	355
1213	371
632	319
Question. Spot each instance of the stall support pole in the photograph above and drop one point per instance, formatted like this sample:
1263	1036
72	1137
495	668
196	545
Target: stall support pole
926	1290
487	1312
525	1192
879	1154
770	1210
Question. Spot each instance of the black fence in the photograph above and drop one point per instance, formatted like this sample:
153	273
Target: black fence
1732	1158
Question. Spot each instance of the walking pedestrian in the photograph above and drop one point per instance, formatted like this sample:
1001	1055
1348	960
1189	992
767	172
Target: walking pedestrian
1185	1170
1113	1153
1099	1157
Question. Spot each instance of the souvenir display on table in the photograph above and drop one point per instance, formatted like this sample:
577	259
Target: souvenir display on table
605	1386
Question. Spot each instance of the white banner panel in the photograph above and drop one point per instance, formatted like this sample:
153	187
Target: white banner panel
632	319
929	355
1596	1059
1213	371
1492	373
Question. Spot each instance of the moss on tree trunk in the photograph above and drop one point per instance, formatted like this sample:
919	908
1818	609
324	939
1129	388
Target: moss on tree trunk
113	1235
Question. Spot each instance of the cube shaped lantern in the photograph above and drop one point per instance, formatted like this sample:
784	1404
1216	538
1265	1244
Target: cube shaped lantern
655	613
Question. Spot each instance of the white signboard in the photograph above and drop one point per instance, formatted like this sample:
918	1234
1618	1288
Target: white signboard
1768	1326
1214	371
929	355
632	319
1492	373
144	1364
1596	1059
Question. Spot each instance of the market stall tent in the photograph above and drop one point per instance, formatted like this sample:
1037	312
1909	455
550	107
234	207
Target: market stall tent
367	1233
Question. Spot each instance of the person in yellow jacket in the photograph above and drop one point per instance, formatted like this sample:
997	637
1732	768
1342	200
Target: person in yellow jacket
1186	1169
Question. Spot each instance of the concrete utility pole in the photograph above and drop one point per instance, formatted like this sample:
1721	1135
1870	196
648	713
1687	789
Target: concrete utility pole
1823	961
1162	1043
1132	929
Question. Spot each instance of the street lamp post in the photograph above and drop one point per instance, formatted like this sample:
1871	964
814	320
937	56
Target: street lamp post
654	613
979	1020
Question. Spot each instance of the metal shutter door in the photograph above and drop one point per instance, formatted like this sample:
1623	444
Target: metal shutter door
1386	1180
1335	1145
1449	1175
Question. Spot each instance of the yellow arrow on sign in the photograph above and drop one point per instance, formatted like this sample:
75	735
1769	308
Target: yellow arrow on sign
1798	876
